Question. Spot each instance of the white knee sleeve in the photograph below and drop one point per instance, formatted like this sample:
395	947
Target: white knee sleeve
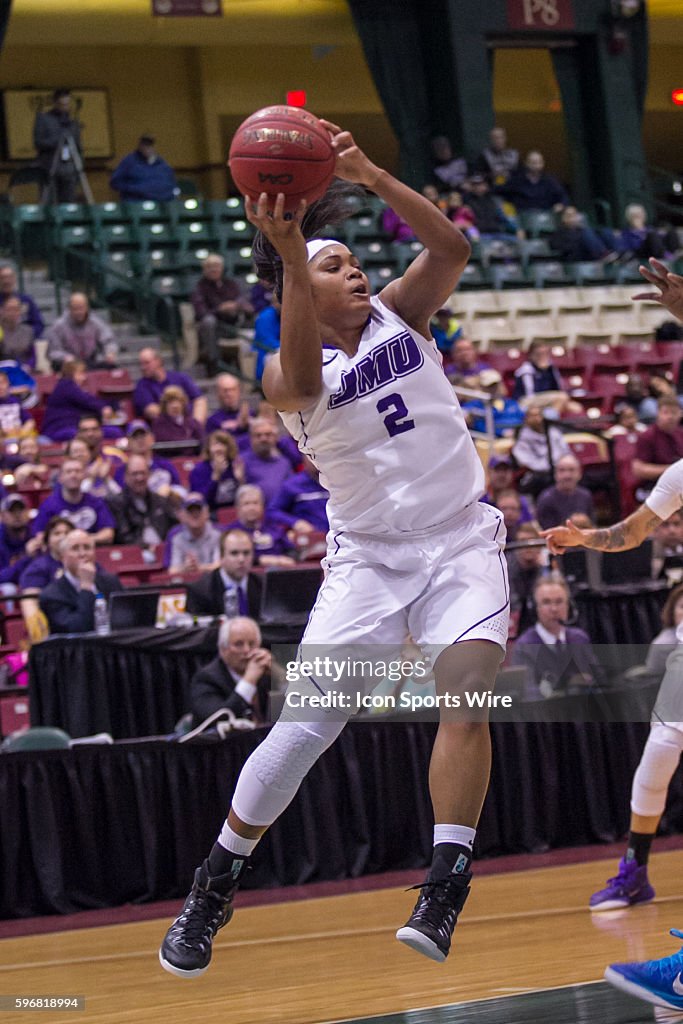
272	775
653	775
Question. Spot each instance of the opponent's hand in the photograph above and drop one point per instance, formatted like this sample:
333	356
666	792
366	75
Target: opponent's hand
352	163
559	538
670	294
280	228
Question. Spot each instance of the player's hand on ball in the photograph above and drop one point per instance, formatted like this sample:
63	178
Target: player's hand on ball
352	163
283	230
561	537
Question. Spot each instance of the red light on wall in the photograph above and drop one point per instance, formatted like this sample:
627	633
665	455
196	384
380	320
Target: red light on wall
296	98
677	97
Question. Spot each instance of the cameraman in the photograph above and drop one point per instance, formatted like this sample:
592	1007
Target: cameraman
51	132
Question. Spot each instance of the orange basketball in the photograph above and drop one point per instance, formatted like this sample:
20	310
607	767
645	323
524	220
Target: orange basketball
282	149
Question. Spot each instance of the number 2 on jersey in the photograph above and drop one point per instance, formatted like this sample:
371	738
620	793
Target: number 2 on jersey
396	422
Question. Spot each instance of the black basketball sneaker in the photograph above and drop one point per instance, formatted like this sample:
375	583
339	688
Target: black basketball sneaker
186	949
429	928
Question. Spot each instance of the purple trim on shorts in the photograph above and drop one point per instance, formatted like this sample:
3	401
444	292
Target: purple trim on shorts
337	534
507	594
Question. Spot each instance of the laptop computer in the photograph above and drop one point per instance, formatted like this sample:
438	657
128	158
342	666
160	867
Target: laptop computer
129	609
627	566
288	595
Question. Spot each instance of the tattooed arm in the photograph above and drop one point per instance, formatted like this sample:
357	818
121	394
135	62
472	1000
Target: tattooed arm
629	533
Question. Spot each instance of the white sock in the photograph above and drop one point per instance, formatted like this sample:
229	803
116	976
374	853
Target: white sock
460	834
233	843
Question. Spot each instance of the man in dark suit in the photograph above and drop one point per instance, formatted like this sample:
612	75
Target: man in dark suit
237	679
142	517
559	659
69	601
207	596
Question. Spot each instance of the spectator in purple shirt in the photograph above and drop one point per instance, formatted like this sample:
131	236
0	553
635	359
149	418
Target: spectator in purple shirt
232	414
220	472
30	312
163	476
301	502
84	511
556	504
219	309
464	364
43	567
271	544
17	547
69	401
173	422
155	378
263	463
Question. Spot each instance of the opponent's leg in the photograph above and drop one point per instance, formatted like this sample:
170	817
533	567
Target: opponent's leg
648	797
266	786
458	779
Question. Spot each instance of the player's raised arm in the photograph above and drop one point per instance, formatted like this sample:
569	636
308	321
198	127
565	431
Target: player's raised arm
628	533
433	275
292	379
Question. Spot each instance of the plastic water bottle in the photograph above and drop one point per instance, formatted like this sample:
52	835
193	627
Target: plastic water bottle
231	604
101	615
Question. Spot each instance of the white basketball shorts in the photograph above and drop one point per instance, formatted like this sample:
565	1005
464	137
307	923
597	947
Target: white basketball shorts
443	586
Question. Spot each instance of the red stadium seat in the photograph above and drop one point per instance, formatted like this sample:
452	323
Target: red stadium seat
14	631
184	466
226	515
624	451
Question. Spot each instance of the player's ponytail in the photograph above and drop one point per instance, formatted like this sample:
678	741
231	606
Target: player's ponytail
341	200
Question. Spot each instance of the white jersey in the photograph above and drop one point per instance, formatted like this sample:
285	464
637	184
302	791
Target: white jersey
388	435
666	497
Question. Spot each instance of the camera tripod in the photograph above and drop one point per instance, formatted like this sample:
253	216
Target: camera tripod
66	143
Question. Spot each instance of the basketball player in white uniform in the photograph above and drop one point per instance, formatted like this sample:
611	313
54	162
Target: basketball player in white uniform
657	981
359	383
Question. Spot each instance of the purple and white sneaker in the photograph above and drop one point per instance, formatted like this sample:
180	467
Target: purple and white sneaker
628	888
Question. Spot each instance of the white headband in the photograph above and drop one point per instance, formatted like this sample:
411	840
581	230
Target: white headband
314	247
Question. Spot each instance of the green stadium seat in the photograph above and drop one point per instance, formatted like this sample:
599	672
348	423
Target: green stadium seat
191	208
365	228
197	232
510	275
373	253
550	274
146	210
161	261
177	286
69	213
235	234
474	277
78	236
156	234
113	237
42	737
538	222
593	272
222	210
110	213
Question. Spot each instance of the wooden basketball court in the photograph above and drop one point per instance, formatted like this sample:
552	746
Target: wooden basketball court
527	949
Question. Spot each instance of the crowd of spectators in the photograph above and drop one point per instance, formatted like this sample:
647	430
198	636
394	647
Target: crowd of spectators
488	197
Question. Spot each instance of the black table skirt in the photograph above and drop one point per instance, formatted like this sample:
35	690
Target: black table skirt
99	826
135	683
132	683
